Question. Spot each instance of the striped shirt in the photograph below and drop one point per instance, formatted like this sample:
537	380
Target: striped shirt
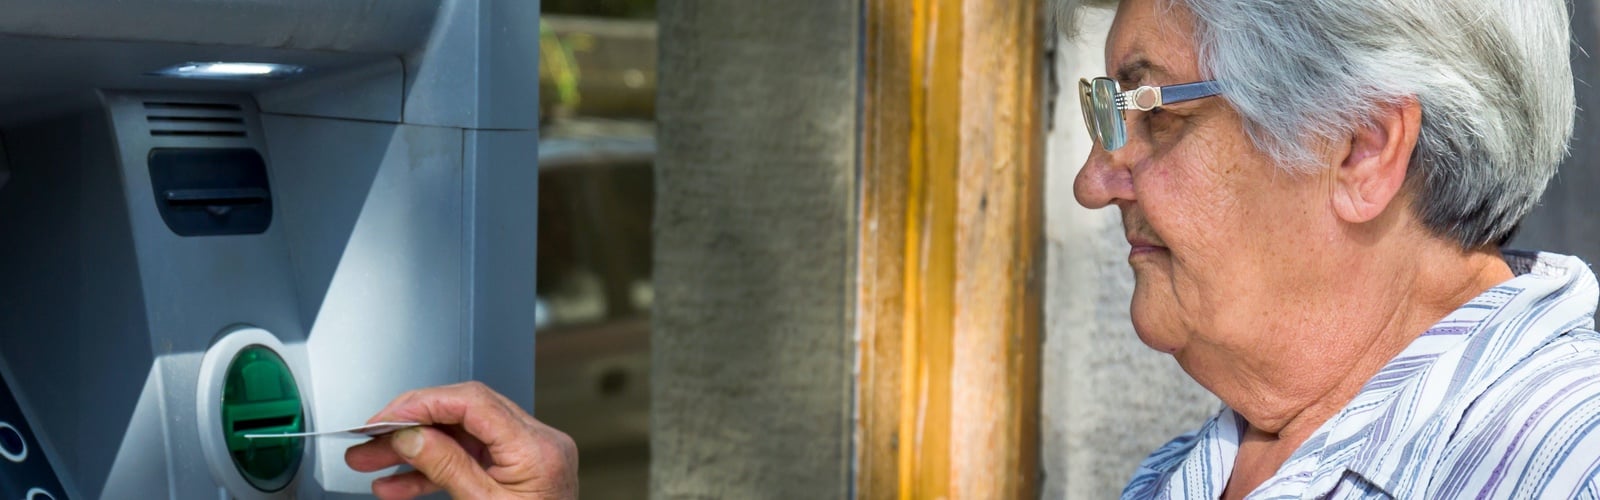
1500	399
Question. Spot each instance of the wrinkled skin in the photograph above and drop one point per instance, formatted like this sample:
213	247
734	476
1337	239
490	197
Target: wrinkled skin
475	443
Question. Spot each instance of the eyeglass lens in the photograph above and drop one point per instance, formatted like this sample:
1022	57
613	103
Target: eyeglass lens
1107	118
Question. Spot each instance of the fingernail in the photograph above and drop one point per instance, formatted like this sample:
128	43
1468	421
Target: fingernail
408	442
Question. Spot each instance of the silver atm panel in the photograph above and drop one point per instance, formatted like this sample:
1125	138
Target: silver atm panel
366	226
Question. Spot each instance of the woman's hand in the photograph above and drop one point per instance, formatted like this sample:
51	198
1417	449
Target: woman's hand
474	443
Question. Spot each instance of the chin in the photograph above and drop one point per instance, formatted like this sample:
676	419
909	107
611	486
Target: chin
1156	334
1157	341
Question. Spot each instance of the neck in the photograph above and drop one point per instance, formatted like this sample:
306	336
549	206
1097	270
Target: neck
1315	361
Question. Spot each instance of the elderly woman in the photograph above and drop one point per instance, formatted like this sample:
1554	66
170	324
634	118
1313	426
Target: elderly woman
1316	192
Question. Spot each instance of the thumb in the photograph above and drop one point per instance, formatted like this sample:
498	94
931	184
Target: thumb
438	456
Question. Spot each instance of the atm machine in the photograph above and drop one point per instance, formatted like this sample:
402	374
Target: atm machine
223	217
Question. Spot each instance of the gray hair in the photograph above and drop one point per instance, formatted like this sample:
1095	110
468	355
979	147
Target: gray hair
1492	77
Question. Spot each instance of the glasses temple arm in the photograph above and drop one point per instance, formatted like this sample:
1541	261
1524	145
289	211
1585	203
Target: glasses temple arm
1173	94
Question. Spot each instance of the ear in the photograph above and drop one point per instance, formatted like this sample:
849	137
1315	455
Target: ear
1372	173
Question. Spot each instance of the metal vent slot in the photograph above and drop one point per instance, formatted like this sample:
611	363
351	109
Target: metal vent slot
196	133
215	106
195	119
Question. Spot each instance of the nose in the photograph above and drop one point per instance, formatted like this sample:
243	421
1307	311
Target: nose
1103	180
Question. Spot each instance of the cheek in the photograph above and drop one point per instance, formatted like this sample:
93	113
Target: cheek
1193	204
1195	215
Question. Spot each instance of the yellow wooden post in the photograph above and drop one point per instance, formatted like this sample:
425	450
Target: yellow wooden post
948	260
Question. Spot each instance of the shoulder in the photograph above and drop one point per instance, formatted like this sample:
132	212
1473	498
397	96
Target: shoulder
1172	454
1157	468
1535	432
1189	465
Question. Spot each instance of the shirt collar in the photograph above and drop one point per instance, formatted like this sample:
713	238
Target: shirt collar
1428	384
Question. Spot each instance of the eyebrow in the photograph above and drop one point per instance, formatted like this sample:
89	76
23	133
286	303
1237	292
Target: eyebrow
1132	71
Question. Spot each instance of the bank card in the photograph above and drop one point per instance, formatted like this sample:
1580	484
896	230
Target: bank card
368	430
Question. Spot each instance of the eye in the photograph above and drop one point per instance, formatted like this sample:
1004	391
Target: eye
1159	118
1162	125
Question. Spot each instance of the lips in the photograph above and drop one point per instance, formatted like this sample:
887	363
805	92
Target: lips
1139	235
1139	241
1145	249
1143	245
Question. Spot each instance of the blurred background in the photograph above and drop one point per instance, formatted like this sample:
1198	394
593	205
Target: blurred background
596	192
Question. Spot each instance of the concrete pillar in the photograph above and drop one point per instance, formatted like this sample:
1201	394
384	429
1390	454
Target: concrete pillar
1108	400
752	339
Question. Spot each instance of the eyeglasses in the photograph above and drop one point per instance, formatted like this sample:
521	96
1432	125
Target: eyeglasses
1104	101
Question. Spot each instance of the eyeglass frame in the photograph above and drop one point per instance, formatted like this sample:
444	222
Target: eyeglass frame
1144	98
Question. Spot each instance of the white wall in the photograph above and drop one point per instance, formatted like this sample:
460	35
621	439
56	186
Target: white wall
1108	400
